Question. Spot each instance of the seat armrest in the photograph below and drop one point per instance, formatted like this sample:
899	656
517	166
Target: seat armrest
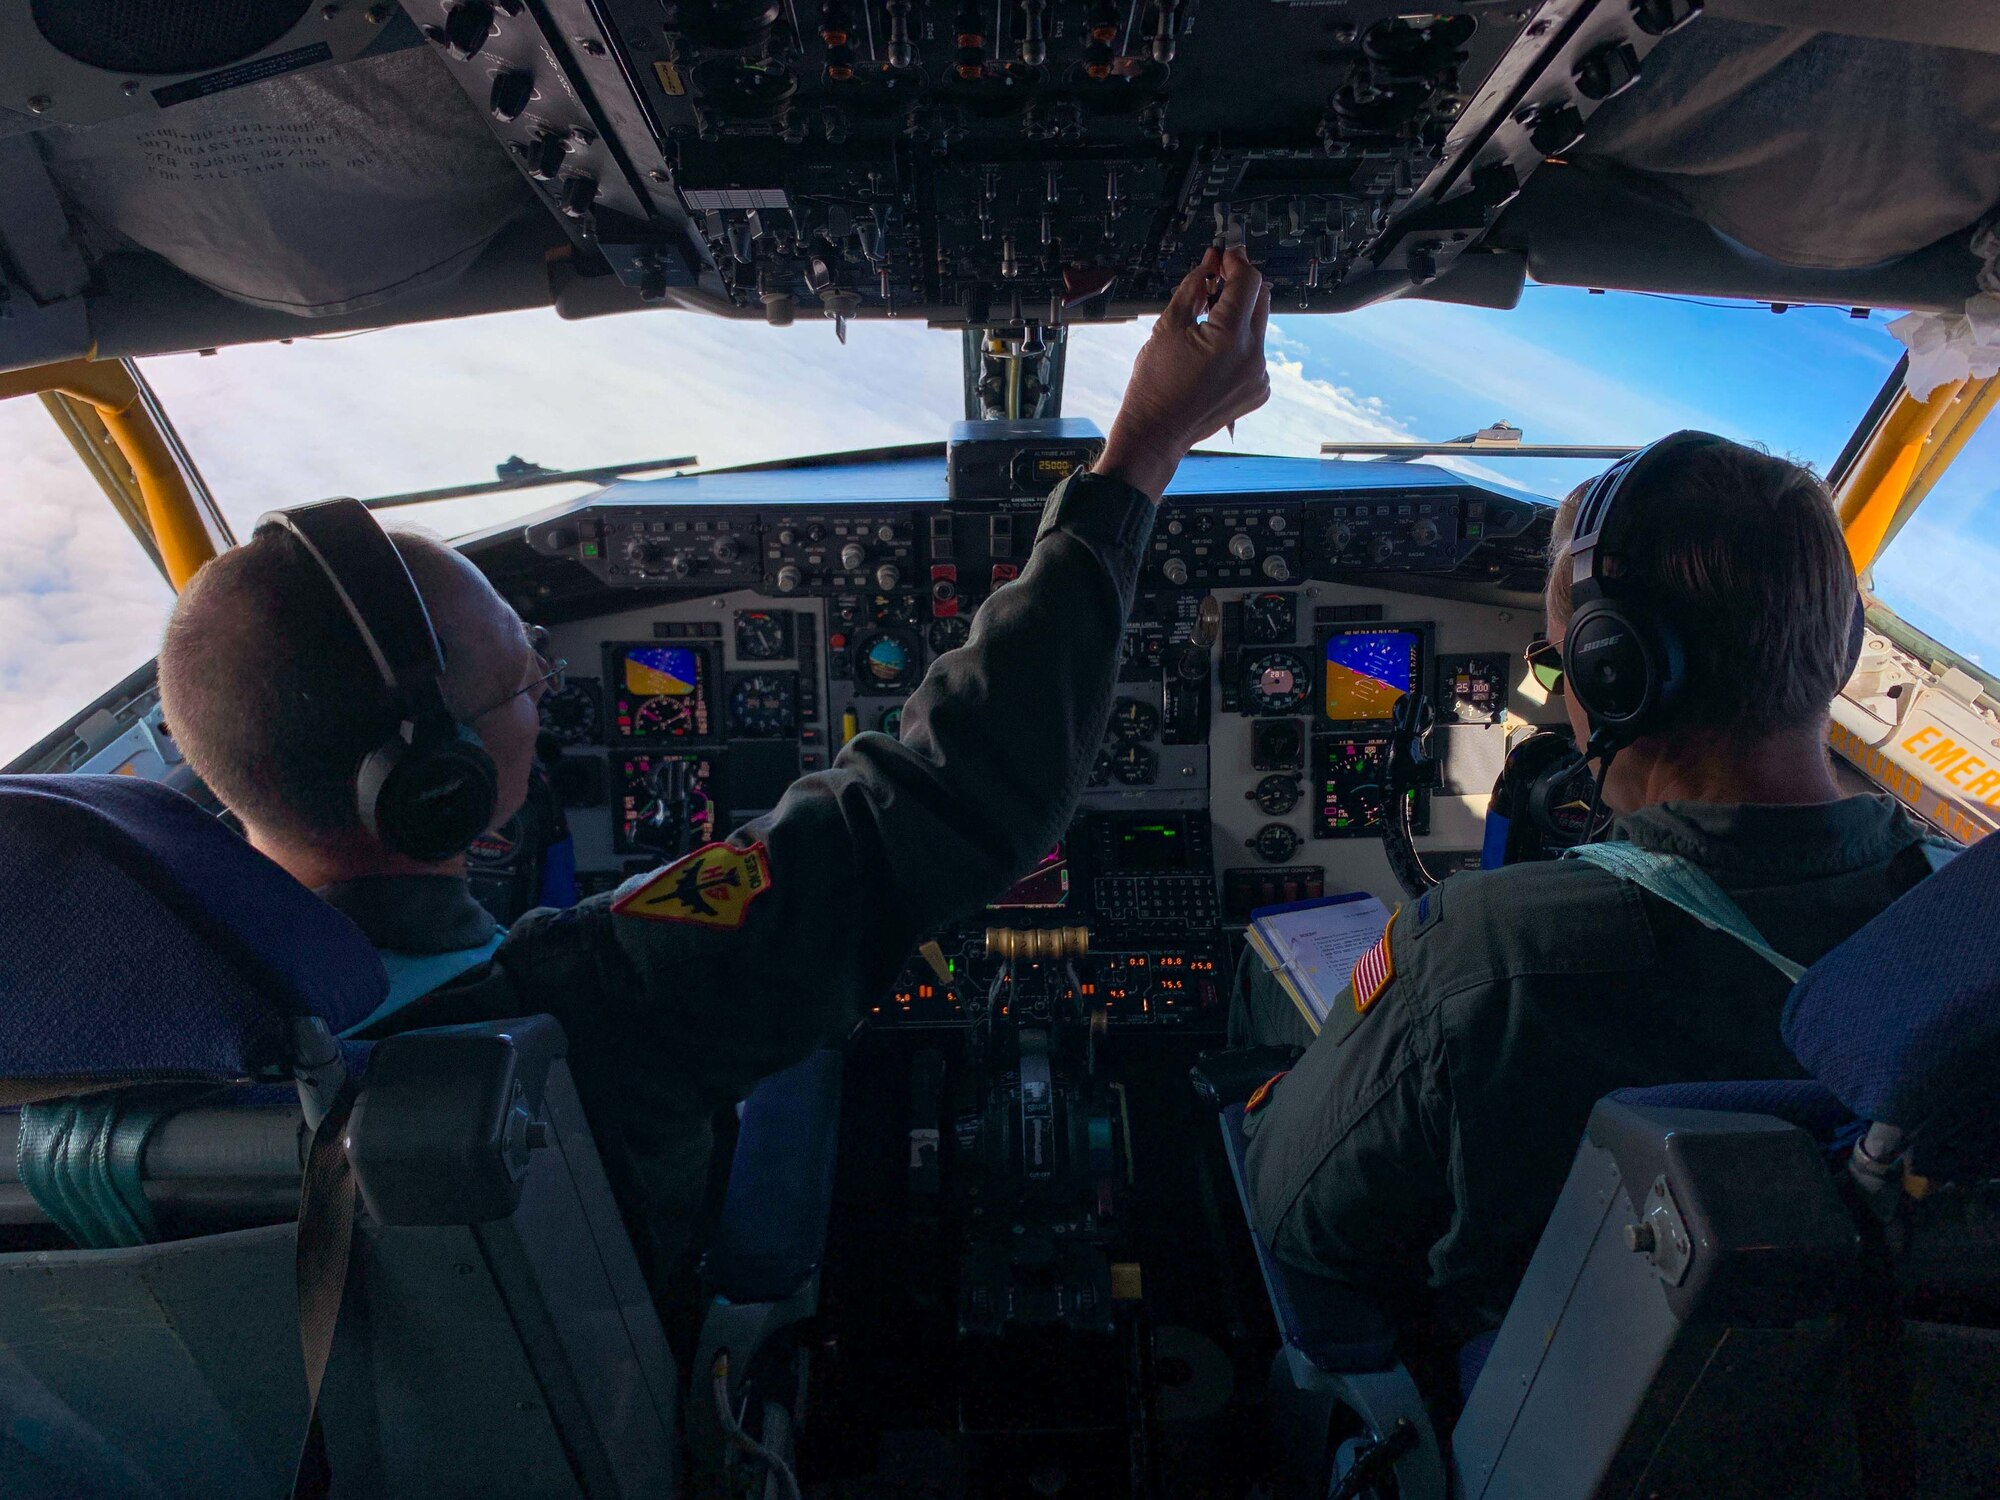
774	1214
1232	1075
447	1119
1335	1327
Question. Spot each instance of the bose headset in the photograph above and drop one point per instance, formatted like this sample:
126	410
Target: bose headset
429	789
1623	660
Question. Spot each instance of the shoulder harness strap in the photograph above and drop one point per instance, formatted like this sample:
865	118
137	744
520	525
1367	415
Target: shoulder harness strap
1683	884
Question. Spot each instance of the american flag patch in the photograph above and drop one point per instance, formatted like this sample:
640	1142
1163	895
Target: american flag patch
1377	967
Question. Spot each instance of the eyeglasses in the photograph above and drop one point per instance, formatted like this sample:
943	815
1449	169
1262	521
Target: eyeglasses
551	680
1545	661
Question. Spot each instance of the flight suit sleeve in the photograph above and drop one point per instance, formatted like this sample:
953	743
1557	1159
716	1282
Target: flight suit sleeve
1348	1152
742	957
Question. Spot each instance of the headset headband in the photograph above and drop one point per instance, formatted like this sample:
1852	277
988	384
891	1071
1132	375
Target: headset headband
1602	525
374	586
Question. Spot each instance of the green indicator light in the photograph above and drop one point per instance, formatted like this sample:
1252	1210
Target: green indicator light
590	549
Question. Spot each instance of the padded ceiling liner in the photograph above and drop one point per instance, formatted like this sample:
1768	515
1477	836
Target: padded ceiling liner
1813	149
316	193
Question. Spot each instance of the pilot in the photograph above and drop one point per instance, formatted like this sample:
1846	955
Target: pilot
1418	1145
685	986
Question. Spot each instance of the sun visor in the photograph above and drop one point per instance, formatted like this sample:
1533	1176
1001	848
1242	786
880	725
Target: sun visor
1732	124
313	193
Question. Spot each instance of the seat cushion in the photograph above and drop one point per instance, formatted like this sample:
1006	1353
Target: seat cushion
144	939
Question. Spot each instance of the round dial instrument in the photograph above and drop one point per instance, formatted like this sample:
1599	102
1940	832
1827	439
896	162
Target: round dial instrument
1276	795
1135	765
1133	719
1269	618
885	661
761	707
1275	843
1100	769
891	722
663	715
948	634
569	714
1276	682
763	636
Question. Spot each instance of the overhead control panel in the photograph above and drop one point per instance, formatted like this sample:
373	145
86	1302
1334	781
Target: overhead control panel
1035	162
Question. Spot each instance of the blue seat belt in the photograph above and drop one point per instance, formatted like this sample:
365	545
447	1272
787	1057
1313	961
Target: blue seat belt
414	975
1683	884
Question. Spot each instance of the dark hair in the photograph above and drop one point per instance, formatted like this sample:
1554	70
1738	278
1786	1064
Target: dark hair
1743	554
269	690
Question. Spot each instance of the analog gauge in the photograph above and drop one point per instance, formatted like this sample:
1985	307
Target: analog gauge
1269	619
891	722
1276	745
1133	719
763	636
662	716
1275	843
1100	769
885	661
948	634
569	714
762	706
1135	765
1276	795
1276	682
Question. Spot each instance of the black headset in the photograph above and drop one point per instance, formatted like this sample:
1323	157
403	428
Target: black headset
429	789
1623	660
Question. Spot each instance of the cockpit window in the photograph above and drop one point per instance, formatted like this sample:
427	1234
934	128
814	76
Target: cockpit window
1938	573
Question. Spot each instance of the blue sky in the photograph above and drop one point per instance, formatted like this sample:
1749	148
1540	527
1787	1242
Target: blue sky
409	408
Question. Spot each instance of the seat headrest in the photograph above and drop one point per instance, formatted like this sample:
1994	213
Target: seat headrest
145	938
1902	1020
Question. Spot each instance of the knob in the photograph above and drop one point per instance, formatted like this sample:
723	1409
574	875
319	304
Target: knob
1241	547
1277	524
1176	526
544	156
789	578
578	193
888	576
466	28
885	532
1338	536
853	557
1424	533
787	537
1276	569
1384	549
815	532
1174	571
511	94
678	566
726	549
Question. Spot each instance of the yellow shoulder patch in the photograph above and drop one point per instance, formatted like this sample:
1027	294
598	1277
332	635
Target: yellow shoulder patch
1375	969
1262	1096
712	887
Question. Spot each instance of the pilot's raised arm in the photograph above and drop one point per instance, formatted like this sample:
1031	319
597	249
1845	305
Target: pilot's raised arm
336	741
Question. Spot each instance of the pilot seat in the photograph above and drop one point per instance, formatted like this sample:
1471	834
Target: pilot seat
1745	1289
201	1180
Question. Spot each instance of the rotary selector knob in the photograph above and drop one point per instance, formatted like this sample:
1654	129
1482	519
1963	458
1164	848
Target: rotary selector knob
787	537
1174	571
1424	533
888	576
853	557
1338	536
1241	547
677	566
1384	548
885	532
789	578
726	549
1276	568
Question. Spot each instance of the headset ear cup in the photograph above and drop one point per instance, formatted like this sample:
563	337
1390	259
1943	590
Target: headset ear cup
1624	667
429	803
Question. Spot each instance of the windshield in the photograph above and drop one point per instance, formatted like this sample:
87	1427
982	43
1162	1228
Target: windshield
432	405
1938	572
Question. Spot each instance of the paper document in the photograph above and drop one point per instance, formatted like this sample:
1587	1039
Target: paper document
1311	947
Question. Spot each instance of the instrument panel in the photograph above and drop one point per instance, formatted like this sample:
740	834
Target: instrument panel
1241	763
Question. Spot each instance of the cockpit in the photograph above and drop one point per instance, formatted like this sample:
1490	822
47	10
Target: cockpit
285	1209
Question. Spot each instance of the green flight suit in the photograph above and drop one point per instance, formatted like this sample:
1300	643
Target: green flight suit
669	1021
1438	1126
